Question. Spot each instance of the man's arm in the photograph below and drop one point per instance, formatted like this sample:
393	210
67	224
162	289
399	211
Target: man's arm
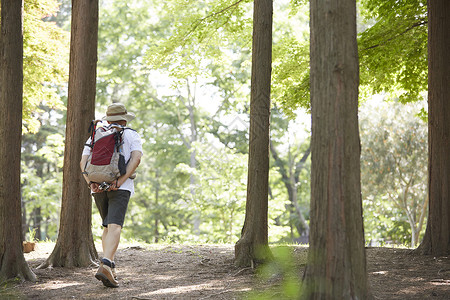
132	165
92	186
83	161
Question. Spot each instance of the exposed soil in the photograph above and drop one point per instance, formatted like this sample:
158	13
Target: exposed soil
207	272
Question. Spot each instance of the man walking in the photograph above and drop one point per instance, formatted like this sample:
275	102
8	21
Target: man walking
112	203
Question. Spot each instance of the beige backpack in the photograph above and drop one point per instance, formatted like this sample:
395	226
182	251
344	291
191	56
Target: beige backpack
106	162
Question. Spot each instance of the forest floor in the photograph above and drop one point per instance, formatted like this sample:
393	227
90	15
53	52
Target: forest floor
207	272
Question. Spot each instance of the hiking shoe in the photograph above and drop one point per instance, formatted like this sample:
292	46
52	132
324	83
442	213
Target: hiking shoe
104	274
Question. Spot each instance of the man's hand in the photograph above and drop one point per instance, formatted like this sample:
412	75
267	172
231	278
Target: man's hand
94	187
114	185
131	167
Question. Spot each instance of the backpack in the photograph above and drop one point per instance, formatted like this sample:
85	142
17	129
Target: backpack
106	162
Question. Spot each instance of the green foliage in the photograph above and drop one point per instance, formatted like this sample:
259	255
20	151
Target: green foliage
201	31
216	35
290	58
41	174
291	75
284	270
31	235
125	30
43	193
393	51
220	192
46	63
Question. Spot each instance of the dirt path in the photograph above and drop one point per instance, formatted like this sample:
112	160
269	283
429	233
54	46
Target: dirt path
207	272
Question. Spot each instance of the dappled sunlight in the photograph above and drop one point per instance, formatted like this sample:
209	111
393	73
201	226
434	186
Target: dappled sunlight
57	284
207	288
179	289
380	273
441	283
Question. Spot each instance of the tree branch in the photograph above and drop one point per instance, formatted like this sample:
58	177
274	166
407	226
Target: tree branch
199	22
397	35
299	166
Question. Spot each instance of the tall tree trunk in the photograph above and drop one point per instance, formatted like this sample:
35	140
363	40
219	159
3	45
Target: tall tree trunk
253	244
423	212
336	267
437	235
75	245
12	261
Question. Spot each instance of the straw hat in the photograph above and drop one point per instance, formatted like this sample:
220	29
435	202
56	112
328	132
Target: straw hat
118	112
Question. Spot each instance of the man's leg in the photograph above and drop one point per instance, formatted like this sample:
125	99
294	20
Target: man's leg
105	233
117	202
110	240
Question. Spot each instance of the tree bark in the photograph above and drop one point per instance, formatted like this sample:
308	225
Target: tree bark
437	234
253	245
336	267
75	245
12	261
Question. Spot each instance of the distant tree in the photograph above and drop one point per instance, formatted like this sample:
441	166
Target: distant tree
12	261
437	235
253	244
221	177
393	167
75	245
189	103
336	266
290	173
41	178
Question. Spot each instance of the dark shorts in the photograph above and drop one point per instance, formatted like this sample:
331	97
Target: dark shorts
112	206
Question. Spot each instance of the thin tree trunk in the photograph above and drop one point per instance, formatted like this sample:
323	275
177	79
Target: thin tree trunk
336	267
75	244
37	221
189	104
157	216
437	235
290	181
193	160
24	216
253	245
12	261
423	212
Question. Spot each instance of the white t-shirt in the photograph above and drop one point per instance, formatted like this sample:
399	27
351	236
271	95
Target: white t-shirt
131	142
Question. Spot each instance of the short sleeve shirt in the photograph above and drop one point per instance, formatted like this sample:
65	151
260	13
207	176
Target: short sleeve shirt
131	142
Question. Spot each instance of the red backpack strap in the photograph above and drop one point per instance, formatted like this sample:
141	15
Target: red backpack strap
91	130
